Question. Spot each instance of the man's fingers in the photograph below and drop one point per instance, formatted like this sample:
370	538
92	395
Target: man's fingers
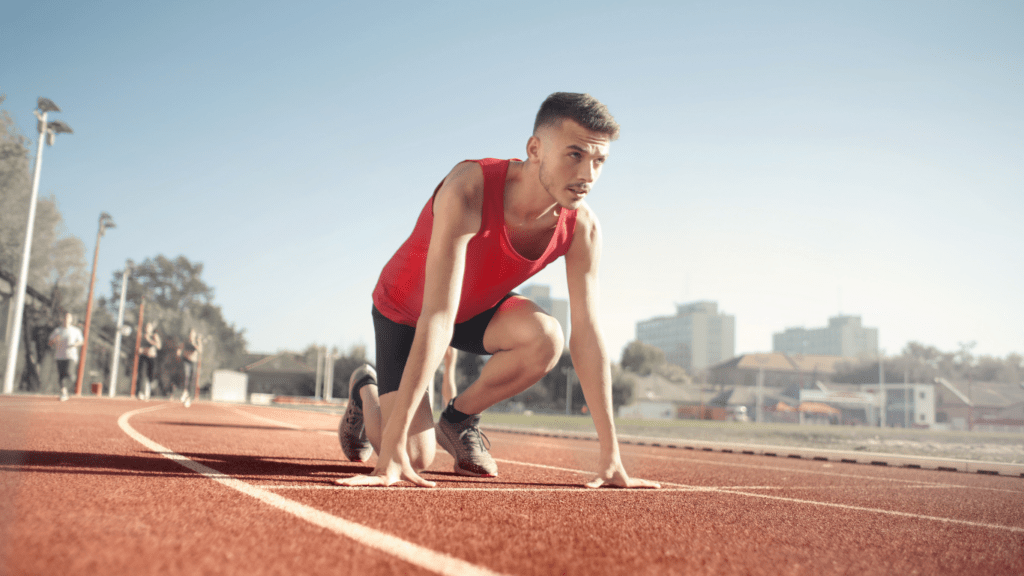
619	483
420	481
384	480
363	481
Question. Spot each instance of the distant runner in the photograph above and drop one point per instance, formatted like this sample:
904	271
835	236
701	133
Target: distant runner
490	225
66	340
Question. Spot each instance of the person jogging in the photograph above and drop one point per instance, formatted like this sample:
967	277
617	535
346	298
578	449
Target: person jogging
490	225
66	340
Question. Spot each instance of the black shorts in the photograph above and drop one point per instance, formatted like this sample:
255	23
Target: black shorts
64	370
394	341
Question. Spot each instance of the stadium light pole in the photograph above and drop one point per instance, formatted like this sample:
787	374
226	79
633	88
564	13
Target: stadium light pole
114	360
106	221
47	133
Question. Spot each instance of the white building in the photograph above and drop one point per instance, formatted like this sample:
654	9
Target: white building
697	337
844	336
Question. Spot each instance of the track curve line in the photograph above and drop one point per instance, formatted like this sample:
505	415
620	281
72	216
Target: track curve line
414	554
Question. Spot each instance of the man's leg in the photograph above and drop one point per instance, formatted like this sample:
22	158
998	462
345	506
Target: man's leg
525	344
367	415
422	445
63	374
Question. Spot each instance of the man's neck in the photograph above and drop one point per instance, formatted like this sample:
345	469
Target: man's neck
526	200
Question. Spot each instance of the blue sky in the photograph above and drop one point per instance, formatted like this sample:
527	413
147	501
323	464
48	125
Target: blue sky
788	160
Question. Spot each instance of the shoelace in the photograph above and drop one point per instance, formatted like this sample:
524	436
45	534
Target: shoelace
478	437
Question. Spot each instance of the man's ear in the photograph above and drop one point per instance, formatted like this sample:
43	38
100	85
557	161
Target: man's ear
533	148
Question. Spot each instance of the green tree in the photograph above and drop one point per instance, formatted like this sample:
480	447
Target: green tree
642	358
177	300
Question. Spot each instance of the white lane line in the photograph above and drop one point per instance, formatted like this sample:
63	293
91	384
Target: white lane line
793	470
501	489
407	551
283	424
798	501
506	489
780	498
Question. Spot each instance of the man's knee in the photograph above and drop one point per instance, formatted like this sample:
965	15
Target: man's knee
548	342
421	454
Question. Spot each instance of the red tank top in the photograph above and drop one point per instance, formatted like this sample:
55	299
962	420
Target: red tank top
493	267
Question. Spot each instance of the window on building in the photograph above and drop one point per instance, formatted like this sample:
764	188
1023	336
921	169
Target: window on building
922	418
922	395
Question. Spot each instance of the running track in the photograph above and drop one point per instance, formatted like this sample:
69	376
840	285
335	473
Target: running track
101	486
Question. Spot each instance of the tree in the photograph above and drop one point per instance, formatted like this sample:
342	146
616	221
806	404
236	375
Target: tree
642	358
922	363
344	365
177	300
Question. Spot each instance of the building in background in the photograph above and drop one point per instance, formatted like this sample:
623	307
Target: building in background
556	307
778	369
844	336
697	337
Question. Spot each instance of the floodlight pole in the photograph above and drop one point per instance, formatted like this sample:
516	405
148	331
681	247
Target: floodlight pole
115	359
47	132
106	221
138	341
882	392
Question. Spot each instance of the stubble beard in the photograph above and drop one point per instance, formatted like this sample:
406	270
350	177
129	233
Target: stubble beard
554	192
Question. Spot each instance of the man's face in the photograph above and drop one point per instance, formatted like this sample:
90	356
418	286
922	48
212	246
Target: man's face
570	159
68	319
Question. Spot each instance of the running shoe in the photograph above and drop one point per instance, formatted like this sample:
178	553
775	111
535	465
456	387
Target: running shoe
64	395
352	431
186	399
468	445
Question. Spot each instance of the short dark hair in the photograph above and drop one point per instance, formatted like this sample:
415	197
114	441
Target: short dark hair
584	109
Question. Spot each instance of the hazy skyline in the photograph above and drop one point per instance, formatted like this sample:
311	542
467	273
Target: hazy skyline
790	161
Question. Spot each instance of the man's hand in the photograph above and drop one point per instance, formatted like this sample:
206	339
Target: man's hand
389	471
614	476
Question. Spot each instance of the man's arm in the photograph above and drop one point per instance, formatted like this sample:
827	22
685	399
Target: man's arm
457	208
589	356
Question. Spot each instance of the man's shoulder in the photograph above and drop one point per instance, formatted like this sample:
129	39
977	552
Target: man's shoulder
466	182
586	218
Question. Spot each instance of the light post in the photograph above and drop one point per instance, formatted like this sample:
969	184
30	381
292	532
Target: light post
883	413
329	375
138	341
115	360
47	132
570	376
106	221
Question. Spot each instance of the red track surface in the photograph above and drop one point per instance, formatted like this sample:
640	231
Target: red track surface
96	486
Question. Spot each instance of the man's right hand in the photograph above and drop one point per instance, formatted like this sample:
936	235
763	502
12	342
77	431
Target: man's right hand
389	471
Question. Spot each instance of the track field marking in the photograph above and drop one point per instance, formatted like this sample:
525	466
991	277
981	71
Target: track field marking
683	487
799	501
638	453
507	490
698	460
407	551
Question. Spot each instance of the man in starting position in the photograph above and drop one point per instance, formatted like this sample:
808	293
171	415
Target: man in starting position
490	225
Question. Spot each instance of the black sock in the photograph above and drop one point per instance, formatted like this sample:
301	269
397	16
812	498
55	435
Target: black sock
356	398
452	415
